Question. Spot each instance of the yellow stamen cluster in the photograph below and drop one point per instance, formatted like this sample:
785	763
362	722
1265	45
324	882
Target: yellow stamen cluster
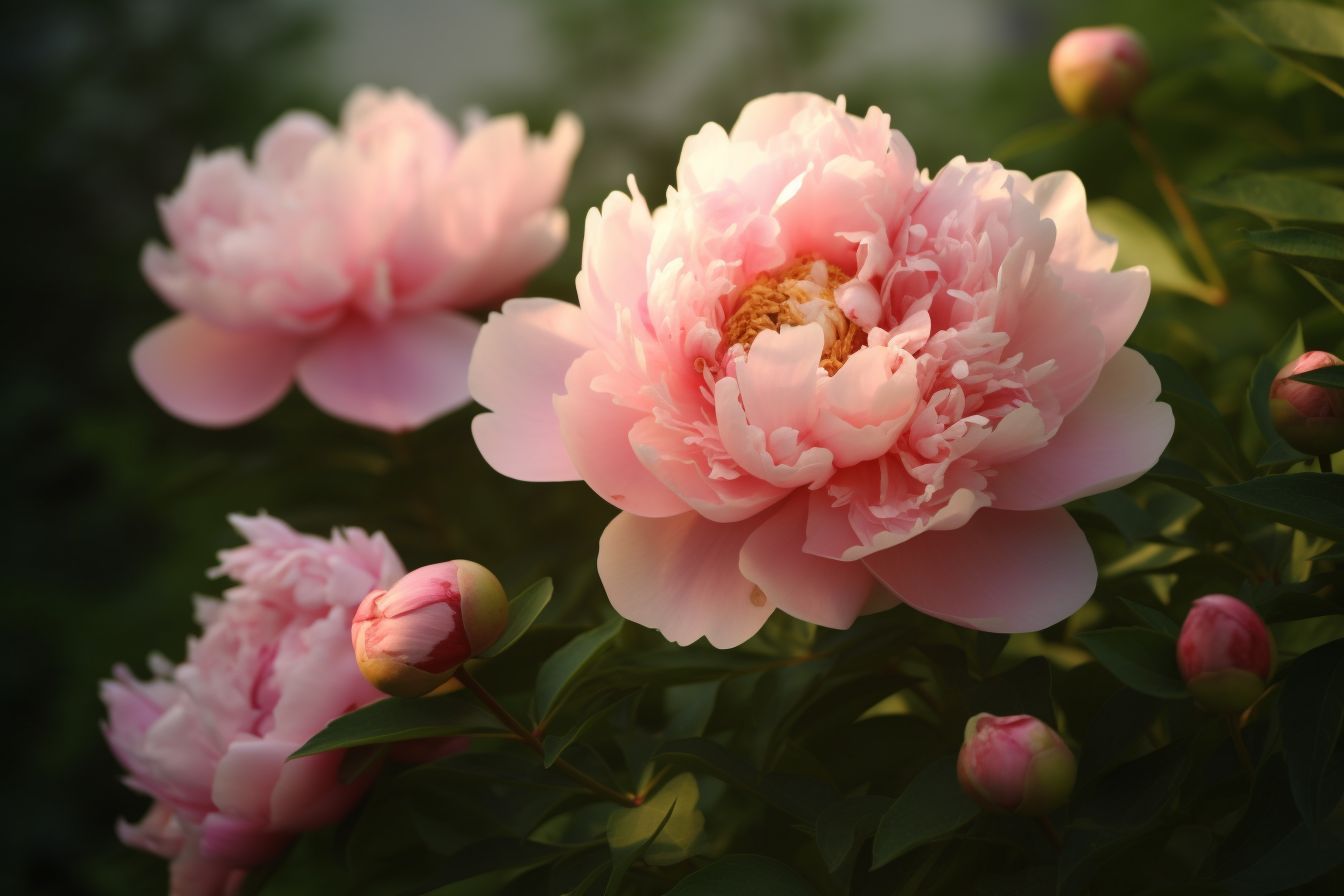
777	300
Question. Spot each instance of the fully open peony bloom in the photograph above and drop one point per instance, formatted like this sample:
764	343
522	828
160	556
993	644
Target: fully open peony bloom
344	258
815	367
208	739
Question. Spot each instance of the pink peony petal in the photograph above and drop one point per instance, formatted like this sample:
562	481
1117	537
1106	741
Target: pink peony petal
393	375
596	434
309	793
680	575
1001	572
815	589
238	842
211	376
1060	196
517	369
1111	439
245	777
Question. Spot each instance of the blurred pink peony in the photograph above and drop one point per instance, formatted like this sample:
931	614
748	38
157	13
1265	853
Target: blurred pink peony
344	258
1098	72
208	739
815	367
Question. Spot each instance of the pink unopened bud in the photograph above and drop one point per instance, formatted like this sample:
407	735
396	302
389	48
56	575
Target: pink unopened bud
1310	418
1015	764
411	638
1225	653
1097	72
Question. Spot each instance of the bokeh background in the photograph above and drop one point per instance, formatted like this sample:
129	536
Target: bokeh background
114	510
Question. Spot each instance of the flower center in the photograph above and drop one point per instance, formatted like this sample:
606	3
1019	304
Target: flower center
802	293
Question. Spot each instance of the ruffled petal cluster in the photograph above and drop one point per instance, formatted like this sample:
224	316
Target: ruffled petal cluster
208	738
816	369
343	258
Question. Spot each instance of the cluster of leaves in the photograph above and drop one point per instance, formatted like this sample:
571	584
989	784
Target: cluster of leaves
820	762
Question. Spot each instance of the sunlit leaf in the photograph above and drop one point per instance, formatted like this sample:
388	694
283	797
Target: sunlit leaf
1142	242
1276	197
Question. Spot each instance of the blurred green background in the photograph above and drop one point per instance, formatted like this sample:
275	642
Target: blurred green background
116	509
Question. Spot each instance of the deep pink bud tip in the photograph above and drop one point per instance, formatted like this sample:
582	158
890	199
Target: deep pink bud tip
1015	764
412	637
1310	418
1225	653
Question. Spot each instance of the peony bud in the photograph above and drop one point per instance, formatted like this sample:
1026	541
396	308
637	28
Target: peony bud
1225	653
1097	72
1015	764
1310	418
411	638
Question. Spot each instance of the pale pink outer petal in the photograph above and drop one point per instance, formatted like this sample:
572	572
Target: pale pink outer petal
815	589
393	375
1084	257
1001	572
211	376
680	575
239	842
1109	440
766	116
309	793
245	777
517	369
596	434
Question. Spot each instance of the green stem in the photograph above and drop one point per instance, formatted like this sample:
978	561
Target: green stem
1051	834
1171	194
1244	755
522	733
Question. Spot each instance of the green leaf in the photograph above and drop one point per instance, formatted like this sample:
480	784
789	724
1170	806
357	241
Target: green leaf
1311	250
1310	35
1276	197
1196	414
846	823
1329	377
931	806
663	831
523	611
743	875
1141	658
1312	502
1152	617
1038	137
555	744
1143	242
398	718
717	760
565	665
1311	715
1257	398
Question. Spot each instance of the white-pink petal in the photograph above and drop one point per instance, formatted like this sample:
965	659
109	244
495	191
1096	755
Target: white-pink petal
680	575
596	434
1003	571
211	376
517	368
815	589
394	375
1111	439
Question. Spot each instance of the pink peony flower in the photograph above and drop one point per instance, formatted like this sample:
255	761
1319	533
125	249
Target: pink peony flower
815	367
1015	764
412	637
344	258
208	739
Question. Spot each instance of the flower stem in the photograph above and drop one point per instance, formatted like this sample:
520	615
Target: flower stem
522	733
1194	237
1244	755
1051	834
